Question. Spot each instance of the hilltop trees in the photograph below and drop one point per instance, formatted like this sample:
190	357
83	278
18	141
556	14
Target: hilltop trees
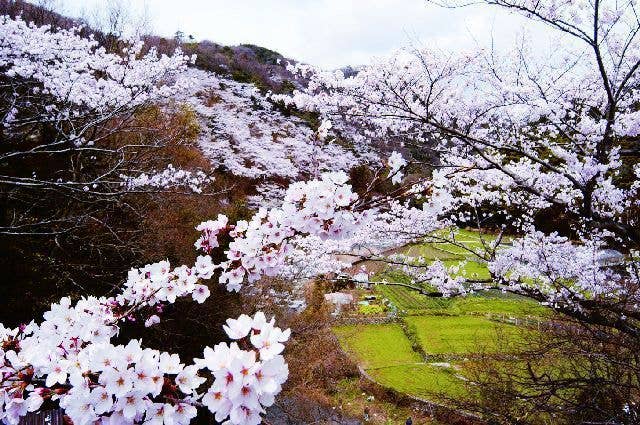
66	104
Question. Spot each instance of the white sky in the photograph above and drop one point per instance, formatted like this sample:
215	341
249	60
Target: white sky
327	33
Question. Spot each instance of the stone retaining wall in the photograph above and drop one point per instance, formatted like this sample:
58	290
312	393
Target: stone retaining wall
365	320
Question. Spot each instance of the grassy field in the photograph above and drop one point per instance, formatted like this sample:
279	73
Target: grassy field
377	345
385	353
460	253
487	302
459	334
447	330
421	380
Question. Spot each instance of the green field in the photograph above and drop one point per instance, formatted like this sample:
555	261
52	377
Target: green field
459	252
459	334
421	380
385	353
445	330
485	302
377	345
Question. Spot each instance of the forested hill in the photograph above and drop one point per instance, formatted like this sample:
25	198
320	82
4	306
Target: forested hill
246	63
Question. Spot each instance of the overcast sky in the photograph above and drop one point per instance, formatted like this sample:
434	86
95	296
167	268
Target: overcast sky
327	33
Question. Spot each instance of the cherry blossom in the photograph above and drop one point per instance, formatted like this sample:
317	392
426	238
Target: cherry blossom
95	380
168	178
261	245
244	133
67	65
396	162
515	136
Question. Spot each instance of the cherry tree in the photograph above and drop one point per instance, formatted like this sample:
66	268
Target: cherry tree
67	109
519	137
69	357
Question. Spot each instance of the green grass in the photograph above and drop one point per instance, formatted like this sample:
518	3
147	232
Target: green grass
471	267
455	251
472	240
377	345
422	380
469	235
459	334
483	302
371	309
385	352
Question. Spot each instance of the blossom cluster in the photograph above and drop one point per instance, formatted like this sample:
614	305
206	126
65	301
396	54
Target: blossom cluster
69	358
170	177
323	129
243	133
156	284
260	246
88	94
436	274
245	381
76	69
562	271
509	125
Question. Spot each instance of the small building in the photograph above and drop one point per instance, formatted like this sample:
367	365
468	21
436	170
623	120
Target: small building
339	300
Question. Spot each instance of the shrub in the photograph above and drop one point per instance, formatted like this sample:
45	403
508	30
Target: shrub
371	309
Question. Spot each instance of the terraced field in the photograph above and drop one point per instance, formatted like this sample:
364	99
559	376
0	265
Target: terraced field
377	346
463	334
410	302
446	331
385	353
422	380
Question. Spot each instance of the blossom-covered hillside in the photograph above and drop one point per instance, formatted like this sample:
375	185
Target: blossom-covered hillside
486	176
243	134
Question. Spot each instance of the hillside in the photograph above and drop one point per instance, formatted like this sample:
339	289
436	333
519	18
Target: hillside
246	135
